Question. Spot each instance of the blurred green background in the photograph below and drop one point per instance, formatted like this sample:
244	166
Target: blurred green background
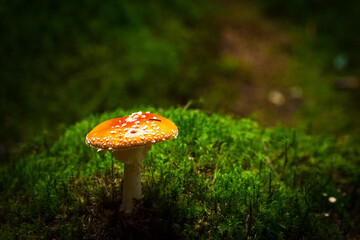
294	62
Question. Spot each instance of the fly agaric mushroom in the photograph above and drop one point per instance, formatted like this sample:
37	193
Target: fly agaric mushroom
129	139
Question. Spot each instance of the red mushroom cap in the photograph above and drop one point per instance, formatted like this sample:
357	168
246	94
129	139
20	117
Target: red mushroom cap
138	129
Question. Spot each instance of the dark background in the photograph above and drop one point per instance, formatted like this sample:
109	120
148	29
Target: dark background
275	61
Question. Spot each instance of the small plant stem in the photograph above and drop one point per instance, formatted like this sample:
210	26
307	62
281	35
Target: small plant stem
267	159
248	222
285	163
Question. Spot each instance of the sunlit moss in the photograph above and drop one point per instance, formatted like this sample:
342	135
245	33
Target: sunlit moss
221	178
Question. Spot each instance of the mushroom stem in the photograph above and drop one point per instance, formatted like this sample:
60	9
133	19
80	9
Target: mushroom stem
132	175
131	186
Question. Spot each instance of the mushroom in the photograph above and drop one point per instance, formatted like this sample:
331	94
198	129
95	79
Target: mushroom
129	139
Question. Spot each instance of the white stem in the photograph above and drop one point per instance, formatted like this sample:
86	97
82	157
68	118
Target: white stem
132	175
131	186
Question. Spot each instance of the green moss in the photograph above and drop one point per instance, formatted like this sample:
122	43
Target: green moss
221	178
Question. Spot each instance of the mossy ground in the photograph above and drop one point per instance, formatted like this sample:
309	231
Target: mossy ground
221	178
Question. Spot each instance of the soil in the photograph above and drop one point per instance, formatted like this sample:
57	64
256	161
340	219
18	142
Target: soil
261	50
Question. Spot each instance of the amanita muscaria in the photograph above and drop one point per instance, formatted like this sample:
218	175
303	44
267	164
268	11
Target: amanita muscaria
129	139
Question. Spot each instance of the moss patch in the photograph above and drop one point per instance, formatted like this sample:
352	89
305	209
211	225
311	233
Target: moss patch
221	178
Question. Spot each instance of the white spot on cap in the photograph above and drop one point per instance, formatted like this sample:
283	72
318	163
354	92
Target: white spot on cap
132	118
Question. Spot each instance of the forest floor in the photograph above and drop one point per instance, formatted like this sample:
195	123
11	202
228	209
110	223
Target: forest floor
277	78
